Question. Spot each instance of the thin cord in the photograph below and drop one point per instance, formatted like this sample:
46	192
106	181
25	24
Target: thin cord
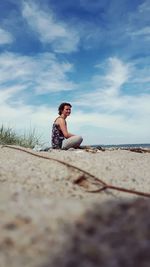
105	186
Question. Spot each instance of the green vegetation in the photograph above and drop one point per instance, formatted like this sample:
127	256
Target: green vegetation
9	137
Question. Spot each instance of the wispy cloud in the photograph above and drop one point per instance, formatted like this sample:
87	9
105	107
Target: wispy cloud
144	8
117	74
143	31
112	99
5	37
140	75
108	85
49	29
9	92
42	73
138	22
122	27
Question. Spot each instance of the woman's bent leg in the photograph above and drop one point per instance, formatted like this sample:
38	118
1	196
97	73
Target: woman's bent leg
73	141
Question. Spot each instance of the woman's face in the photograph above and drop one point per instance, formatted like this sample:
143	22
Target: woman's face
66	111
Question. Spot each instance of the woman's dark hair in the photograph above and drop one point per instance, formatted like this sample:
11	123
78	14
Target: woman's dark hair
61	107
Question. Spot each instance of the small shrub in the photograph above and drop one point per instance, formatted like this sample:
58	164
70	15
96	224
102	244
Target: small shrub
9	137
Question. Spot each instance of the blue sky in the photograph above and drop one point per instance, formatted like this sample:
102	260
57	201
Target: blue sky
94	54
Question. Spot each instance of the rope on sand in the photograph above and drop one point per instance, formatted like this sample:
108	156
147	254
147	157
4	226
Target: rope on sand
82	178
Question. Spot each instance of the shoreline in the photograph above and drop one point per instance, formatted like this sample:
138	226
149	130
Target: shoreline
142	145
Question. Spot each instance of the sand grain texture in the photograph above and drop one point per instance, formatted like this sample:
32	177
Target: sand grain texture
41	207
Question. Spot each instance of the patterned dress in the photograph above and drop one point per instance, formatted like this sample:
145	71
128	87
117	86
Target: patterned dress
57	136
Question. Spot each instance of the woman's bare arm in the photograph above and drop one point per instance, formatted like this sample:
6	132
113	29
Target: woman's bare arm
63	126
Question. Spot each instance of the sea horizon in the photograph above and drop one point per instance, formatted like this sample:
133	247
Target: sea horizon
142	145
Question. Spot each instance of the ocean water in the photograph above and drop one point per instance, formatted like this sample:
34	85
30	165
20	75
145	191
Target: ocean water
125	146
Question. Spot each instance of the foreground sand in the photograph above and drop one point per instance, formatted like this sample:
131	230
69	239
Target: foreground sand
40	199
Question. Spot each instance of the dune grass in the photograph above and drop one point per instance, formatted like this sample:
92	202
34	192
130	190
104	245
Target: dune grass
8	136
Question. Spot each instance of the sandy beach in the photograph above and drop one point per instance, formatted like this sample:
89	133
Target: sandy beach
42	199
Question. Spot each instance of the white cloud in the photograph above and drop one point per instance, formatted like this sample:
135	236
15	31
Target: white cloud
138	24
49	30
104	128
5	37
118	74
42	73
143	31
112	109
144	7
9	92
108	85
108	93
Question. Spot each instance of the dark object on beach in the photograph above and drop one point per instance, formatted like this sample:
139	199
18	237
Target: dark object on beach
110	235
137	149
92	149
